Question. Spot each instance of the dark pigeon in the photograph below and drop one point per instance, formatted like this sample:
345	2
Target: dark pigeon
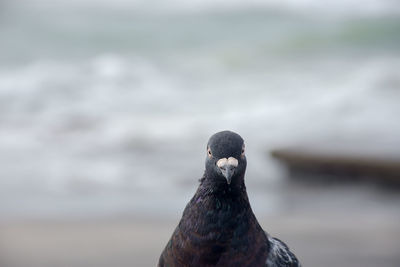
218	227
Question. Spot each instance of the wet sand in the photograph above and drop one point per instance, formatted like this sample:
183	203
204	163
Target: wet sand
322	239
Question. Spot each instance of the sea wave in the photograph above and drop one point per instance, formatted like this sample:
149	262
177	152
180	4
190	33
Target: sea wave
115	124
104	109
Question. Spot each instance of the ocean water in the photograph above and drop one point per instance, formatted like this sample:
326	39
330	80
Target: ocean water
107	108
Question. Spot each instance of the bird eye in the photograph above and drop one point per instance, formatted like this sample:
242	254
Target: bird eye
209	152
242	151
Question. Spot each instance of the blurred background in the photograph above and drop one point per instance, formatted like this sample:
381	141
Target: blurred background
106	108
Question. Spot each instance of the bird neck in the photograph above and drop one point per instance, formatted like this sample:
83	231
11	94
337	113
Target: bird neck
211	184
218	217
218	213
217	194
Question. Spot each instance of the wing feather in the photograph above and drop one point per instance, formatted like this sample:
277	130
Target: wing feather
279	254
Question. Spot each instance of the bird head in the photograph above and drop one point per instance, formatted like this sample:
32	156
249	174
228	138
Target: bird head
226	159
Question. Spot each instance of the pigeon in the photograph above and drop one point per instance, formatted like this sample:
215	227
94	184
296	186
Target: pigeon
218	226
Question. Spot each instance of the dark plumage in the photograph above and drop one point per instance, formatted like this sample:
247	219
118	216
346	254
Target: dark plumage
218	227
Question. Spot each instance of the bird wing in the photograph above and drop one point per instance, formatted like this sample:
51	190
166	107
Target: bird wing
279	254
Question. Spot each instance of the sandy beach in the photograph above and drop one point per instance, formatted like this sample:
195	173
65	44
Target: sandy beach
318	240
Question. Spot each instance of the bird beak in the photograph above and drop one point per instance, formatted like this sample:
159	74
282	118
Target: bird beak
227	167
228	173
